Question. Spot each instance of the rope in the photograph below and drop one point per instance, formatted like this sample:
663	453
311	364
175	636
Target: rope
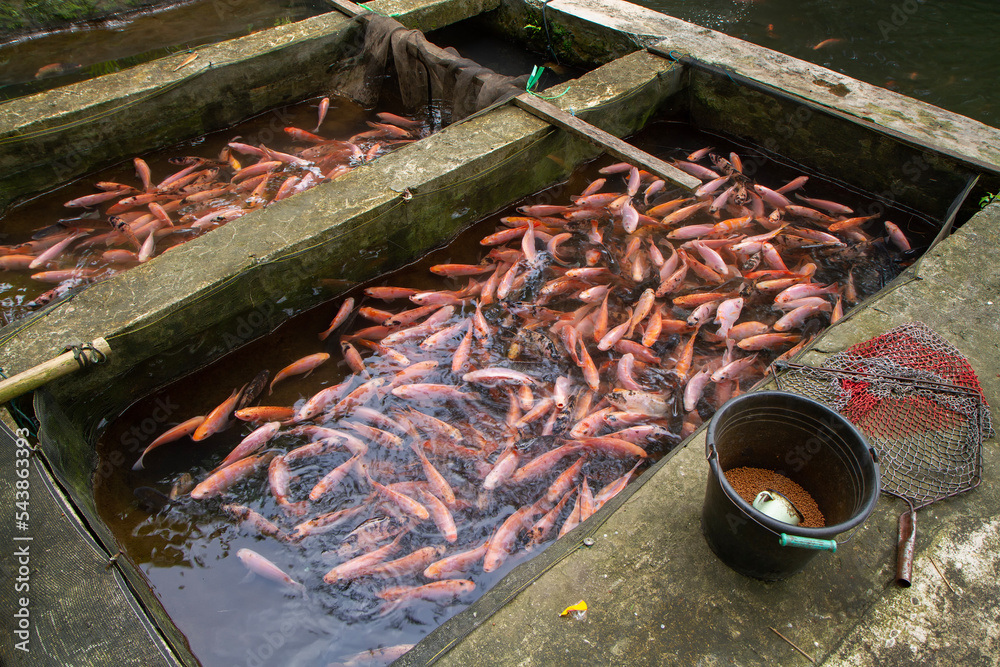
548	38
80	355
686	59
22	418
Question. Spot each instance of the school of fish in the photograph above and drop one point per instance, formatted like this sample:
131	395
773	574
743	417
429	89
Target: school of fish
123	225
492	415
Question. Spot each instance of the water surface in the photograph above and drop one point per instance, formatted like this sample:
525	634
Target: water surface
938	51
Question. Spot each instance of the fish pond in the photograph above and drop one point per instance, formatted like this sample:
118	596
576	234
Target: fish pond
217	178
433	428
937	51
37	61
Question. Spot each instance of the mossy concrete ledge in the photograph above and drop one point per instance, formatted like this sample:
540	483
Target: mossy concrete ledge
427	15
657	595
947	132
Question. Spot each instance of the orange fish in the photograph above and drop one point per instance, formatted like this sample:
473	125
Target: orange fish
51	69
442	516
175	433
411	563
445	589
360	565
187	61
60	275
217	483
456	563
827	42
265	413
218	417
503	540
305	365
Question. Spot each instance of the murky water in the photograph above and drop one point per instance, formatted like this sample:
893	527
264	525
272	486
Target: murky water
188	549
939	51
58	58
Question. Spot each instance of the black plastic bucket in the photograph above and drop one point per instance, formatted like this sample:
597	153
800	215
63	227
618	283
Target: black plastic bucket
805	441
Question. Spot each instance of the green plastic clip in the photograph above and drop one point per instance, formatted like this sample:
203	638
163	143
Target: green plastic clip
536	74
786	540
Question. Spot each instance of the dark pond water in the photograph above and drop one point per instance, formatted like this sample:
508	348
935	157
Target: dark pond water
938	51
50	59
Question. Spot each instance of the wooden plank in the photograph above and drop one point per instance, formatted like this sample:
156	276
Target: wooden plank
610	143
45	372
346	6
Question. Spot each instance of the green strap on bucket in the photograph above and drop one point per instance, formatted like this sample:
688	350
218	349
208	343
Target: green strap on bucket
786	540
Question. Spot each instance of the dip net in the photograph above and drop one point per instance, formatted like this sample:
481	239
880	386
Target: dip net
919	402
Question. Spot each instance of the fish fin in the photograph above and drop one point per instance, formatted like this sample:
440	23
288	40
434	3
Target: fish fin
389	607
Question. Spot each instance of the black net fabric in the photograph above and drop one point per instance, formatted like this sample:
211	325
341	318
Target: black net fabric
426	75
62	603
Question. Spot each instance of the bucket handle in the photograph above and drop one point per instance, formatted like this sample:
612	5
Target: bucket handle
786	540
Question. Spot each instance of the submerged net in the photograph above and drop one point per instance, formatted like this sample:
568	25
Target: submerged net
426	75
919	402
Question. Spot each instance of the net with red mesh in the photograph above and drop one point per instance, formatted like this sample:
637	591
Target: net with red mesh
919	402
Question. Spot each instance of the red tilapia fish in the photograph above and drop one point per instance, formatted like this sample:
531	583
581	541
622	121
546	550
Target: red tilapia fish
125	224
484	418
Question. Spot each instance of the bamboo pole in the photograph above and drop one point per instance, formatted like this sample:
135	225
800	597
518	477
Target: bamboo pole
45	372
